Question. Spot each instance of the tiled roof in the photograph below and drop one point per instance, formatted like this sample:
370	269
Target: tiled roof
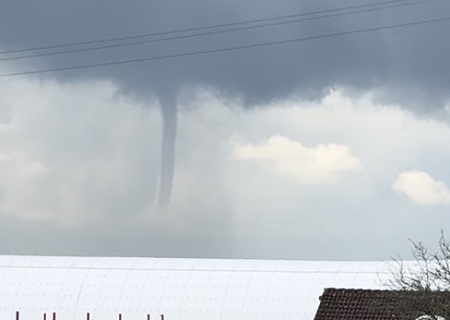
359	304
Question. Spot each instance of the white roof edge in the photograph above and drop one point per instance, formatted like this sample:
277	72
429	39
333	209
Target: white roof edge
133	263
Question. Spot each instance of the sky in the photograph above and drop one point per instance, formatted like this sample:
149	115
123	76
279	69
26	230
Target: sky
328	142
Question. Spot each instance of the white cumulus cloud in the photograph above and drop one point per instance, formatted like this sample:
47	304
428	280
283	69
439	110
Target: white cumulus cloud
292	159
421	188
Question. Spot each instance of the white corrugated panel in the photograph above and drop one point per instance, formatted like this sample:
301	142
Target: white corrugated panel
181	289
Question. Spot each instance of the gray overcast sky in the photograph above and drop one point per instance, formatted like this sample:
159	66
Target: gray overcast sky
325	149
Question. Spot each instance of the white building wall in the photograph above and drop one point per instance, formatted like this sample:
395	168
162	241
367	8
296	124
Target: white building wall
185	289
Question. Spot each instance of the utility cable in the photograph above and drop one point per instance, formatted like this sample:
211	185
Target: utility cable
90	42
229	49
117	45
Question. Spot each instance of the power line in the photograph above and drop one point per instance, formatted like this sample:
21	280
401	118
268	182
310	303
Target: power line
236	48
117	45
73	44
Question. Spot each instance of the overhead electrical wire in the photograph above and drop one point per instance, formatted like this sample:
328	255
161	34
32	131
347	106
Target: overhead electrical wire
231	24
117	45
227	49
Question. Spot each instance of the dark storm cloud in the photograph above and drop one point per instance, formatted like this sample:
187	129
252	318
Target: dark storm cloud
404	60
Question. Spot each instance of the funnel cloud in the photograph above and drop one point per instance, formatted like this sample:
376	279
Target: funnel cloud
169	136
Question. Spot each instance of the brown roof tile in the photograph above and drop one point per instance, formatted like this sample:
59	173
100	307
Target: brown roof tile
359	304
